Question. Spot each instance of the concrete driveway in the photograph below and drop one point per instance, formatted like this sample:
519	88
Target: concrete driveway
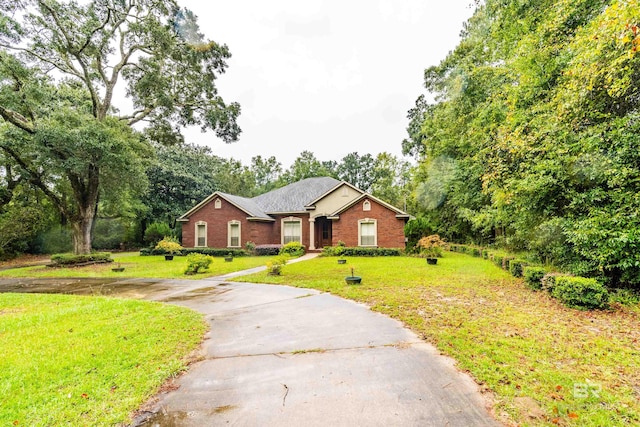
283	356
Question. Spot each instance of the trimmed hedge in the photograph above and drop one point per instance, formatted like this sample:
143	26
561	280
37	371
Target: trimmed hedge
580	292
59	260
533	277
264	250
215	252
516	267
373	252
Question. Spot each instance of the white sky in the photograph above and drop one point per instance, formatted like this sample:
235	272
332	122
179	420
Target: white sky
331	77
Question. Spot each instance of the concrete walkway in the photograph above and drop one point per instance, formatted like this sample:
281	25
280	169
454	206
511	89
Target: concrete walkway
283	356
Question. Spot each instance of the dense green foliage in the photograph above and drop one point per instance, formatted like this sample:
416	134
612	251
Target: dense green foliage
357	251
580	292
533	277
532	142
61	64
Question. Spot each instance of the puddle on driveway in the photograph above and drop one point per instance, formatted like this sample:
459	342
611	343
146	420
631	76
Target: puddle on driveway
83	286
178	418
197	293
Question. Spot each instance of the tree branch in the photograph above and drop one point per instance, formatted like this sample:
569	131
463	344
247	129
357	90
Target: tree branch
17	119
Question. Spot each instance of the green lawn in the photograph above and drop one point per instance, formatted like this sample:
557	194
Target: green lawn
582	368
69	360
140	266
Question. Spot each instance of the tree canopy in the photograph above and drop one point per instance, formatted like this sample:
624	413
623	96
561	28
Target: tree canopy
61	64
536	117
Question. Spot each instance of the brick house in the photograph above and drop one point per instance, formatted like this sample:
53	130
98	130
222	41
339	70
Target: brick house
316	212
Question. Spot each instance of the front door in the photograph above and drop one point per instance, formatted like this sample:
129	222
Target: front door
323	232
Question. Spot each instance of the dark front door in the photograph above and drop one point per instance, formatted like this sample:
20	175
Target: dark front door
323	232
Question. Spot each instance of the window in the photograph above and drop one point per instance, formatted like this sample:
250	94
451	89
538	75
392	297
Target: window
233	232
366	206
291	230
217	204
201	234
367	232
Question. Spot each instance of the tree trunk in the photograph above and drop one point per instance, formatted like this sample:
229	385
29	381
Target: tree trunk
86	200
81	228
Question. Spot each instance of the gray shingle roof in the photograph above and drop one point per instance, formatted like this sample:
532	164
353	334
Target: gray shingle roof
247	205
291	198
294	197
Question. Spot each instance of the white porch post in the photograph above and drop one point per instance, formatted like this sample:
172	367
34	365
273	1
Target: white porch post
312	234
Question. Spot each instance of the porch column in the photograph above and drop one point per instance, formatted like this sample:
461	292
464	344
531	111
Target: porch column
312	234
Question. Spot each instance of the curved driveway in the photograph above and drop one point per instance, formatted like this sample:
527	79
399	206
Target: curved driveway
283	356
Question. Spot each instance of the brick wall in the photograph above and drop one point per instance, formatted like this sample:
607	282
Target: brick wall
389	228
217	219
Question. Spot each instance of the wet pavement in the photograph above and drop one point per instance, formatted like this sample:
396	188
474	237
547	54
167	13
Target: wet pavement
283	356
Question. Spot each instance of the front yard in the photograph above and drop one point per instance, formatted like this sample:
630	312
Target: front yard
544	363
69	360
136	266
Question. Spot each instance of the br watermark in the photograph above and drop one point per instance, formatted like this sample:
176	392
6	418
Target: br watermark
586	390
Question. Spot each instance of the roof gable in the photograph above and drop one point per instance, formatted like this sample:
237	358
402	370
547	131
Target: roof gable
295	197
399	213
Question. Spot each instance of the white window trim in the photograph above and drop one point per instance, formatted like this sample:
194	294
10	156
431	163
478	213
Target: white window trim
375	234
217	204
366	205
229	224
195	243
289	219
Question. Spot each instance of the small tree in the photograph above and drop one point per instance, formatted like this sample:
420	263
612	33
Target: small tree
431	246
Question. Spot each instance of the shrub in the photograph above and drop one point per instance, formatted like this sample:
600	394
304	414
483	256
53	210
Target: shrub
293	249
485	254
533	277
548	281
431	246
60	260
498	260
516	267
476	252
274	266
156	232
197	263
505	262
268	249
169	246
250	247
580	292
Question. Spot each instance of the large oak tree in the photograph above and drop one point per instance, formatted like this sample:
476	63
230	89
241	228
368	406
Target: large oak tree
61	66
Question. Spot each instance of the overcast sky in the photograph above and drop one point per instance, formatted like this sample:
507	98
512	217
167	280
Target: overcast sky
331	77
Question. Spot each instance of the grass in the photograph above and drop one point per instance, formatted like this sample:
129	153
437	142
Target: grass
69	360
139	266
580	368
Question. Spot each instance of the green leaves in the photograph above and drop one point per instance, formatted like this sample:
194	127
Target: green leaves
537	107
